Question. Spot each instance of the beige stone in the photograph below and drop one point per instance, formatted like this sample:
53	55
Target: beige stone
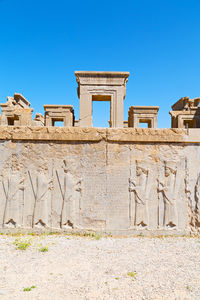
101	86
123	180
60	113
143	114
38	120
185	113
114	180
16	112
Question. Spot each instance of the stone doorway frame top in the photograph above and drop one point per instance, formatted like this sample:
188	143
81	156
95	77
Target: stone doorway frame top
105	84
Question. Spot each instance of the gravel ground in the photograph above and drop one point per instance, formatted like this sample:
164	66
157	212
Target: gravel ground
108	268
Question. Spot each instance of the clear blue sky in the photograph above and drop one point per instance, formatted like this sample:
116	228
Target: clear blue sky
43	42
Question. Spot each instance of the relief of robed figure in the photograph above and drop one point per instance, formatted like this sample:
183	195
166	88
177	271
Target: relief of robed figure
41	185
140	188
196	211
167	188
13	189
70	189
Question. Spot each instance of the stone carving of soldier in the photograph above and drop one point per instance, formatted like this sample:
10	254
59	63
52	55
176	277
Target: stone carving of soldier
168	189
197	201
42	195
70	191
139	187
14	194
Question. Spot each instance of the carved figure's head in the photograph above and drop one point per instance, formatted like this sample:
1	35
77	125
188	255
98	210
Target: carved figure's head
170	168
65	167
141	168
70	165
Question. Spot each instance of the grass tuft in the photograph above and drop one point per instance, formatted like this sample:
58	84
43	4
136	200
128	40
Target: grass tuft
91	234
22	244
44	249
131	274
29	288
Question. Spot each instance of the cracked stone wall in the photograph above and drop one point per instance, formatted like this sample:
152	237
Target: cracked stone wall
112	180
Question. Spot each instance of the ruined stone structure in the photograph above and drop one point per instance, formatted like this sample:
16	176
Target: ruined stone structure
143	114
122	179
186	113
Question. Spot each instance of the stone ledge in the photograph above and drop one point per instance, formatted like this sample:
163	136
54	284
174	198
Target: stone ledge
147	135
143	135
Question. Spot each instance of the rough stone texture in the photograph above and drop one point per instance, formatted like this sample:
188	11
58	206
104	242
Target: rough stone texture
113	180
16	111
185	113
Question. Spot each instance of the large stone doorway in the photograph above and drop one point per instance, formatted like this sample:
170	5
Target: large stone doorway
101	86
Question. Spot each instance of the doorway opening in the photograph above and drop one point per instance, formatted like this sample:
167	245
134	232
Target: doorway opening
58	122
189	123
101	111
11	120
144	123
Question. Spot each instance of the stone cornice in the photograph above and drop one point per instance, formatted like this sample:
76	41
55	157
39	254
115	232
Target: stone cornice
133	135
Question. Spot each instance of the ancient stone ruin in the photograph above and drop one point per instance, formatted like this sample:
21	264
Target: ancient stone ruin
123	179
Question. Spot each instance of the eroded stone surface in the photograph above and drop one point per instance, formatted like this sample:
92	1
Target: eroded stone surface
77	178
185	113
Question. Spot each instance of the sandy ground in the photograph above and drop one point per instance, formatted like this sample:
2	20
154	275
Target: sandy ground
108	268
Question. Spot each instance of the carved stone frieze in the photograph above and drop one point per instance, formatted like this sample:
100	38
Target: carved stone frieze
107	186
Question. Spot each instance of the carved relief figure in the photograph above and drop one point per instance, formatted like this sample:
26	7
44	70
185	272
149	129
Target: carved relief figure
70	190
197	202
13	188
139	188
188	194
41	186
167	188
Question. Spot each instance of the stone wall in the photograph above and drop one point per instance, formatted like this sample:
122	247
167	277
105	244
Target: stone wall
112	180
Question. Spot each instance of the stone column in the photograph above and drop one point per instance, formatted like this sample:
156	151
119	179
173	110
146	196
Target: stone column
85	108
117	113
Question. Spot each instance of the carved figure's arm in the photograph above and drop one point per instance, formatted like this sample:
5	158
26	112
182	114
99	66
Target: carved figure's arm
132	185
138	199
166	198
161	186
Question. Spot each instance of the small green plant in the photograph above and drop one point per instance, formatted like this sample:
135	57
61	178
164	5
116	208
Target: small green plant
94	235
117	278
22	244
44	249
188	287
90	234
131	274
97	237
29	289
